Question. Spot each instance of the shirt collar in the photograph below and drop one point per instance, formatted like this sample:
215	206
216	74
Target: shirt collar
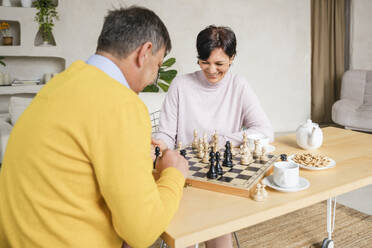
109	67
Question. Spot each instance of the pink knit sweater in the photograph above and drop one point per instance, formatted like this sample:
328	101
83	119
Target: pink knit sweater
226	107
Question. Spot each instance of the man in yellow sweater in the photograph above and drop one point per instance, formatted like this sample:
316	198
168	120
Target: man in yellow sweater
77	170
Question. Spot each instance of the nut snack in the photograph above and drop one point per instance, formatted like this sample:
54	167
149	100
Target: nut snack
311	160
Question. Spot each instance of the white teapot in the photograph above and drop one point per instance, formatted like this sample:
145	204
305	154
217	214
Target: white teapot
309	135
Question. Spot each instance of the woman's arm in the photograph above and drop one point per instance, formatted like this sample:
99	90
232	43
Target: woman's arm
254	118
169	116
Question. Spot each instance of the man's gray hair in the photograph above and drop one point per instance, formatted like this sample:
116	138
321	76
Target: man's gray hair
125	29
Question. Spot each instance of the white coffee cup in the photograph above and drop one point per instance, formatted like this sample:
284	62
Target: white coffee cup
286	174
262	140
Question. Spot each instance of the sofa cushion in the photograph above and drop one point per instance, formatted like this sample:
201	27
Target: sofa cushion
17	105
368	89
353	85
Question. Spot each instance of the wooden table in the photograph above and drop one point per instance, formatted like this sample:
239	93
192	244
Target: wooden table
204	215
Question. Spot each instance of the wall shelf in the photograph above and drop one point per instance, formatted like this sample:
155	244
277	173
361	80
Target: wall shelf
15	32
23	89
31	67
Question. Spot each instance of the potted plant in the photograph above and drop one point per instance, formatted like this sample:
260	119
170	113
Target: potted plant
1	61
165	77
7	36
46	15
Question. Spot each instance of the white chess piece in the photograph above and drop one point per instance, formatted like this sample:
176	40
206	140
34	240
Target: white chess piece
246	157
201	149
206	154
179	146
259	196
245	138
264	192
256	151
195	141
216	142
205	138
263	157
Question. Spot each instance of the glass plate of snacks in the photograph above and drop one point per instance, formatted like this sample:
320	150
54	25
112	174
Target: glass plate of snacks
312	161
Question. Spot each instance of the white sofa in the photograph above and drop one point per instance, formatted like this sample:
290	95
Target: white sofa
354	109
18	104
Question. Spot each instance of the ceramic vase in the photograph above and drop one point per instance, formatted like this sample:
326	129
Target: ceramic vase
27	3
7	40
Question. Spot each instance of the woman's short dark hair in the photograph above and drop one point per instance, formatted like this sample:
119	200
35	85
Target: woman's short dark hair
125	29
213	37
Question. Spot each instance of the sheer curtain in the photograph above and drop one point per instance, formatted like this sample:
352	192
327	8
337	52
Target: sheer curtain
328	55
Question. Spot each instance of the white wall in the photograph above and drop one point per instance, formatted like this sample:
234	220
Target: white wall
361	35
273	43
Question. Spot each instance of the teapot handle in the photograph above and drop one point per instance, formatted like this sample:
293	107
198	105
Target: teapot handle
312	135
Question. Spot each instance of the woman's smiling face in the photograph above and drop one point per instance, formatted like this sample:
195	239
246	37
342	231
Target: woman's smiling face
216	66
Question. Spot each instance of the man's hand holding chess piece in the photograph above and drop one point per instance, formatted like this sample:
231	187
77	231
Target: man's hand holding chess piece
168	158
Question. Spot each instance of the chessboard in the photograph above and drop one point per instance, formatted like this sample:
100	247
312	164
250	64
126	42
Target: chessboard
239	180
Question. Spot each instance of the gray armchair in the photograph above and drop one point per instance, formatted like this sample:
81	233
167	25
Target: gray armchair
354	109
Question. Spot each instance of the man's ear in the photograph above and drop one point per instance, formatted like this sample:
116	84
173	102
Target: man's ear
143	52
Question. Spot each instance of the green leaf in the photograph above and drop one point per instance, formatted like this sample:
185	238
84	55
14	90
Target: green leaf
163	86
168	76
169	62
2	63
151	88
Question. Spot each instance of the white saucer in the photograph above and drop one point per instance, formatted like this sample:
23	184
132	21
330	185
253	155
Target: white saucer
270	148
331	164
302	184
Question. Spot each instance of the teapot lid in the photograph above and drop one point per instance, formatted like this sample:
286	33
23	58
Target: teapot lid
309	124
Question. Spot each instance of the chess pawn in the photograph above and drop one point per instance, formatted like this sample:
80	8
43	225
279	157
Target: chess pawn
206	155
256	152
227	155
258	195
263	190
218	165
263	157
195	141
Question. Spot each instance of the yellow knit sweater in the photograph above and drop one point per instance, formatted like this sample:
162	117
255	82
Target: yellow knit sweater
77	171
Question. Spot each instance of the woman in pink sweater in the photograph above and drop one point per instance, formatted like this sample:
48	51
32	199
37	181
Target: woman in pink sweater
210	100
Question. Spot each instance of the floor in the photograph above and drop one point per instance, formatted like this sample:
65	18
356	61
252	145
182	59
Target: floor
360	199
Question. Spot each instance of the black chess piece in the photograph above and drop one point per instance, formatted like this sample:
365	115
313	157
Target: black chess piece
157	153
211	155
183	153
227	155
218	165
283	157
212	173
